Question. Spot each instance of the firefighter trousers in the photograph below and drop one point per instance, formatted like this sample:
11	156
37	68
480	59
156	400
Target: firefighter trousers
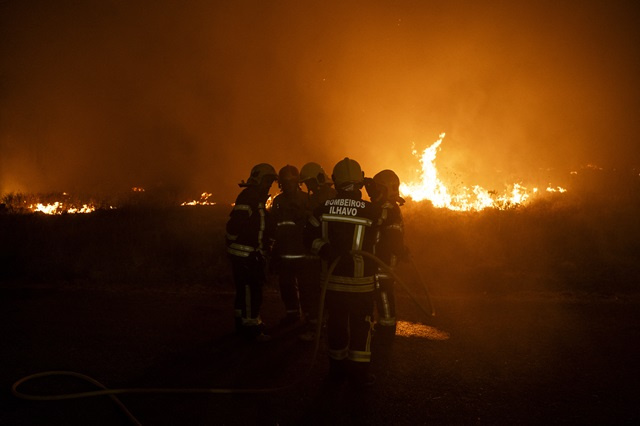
386	303
249	278
349	325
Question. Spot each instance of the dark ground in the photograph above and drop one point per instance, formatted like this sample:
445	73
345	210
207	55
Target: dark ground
538	322
525	359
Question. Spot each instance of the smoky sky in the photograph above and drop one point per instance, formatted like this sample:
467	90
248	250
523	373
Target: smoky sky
99	96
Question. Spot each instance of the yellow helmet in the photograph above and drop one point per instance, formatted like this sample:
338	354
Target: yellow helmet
259	172
314	171
347	171
390	181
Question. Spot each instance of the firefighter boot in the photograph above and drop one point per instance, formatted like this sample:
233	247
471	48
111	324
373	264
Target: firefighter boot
337	370
237	319
360	375
382	346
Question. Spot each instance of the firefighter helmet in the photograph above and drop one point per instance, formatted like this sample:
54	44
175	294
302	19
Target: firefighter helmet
259	172
288	174
313	171
347	171
390	183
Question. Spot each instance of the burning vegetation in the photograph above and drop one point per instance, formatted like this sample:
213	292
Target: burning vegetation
584	239
50	204
205	200
64	203
581	237
431	188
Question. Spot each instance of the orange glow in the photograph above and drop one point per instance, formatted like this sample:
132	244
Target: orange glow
431	188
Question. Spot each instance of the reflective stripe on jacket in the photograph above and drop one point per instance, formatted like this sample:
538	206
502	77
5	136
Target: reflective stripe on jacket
249	228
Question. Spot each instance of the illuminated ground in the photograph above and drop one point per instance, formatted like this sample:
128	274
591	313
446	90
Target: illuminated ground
538	359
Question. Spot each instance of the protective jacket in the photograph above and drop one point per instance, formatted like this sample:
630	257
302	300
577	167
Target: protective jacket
346	223
390	235
290	211
389	246
250	227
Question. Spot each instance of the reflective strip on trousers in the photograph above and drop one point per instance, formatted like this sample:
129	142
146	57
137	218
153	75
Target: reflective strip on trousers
339	354
287	223
293	256
238	253
363	356
360	356
387	322
240	249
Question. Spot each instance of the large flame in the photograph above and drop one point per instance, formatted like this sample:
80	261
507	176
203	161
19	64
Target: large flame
431	188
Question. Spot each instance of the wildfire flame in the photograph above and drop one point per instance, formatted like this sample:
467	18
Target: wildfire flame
60	208
203	201
269	203
431	188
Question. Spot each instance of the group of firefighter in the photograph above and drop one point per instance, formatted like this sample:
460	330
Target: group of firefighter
315	239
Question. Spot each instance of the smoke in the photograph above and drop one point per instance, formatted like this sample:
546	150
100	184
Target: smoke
106	95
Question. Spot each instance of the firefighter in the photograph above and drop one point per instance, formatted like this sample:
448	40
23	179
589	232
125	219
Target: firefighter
319	189
383	191
346	223
290	211
248	240
318	184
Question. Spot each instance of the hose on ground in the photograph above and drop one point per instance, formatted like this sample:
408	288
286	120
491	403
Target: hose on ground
112	393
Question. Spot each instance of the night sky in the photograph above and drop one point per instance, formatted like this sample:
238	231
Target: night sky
104	95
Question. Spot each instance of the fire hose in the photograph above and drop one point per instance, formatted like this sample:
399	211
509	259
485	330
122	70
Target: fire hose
112	393
430	310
